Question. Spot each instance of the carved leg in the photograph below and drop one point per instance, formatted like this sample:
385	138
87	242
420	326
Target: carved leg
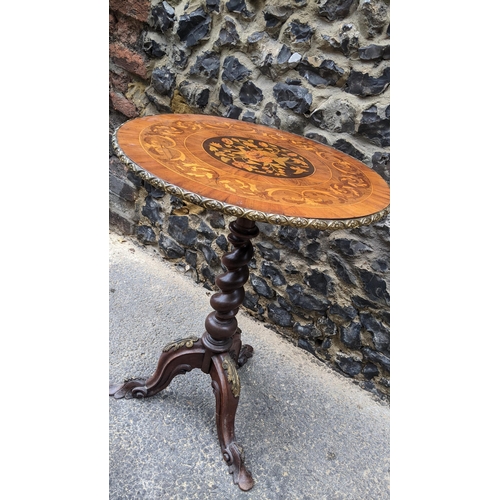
177	358
226	386
240	354
218	352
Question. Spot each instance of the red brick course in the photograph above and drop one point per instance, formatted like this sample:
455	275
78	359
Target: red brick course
129	60
126	30
138	9
123	105
119	80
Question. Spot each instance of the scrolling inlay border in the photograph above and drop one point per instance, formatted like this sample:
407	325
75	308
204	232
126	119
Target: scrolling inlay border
233	210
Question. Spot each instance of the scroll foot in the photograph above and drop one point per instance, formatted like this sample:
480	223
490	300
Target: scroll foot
226	386
177	358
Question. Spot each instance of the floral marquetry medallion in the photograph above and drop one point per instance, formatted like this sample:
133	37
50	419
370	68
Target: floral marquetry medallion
258	157
240	167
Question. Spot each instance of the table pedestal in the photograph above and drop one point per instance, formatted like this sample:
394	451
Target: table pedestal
218	352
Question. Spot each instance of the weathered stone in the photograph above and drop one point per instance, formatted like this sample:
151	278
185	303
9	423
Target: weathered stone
153	191
233	70
249	116
232	112
251	301
380	265
317	137
312	251
374	127
291	269
222	243
347	148
335	115
210	256
293	97
161	103
308	330
304	344
320	74
346	42
351	247
145	234
374	15
341	270
208	274
194	27
195	94
364	85
269	271
257	37
379	332
288	236
284	54
162	17
225	95
171	249
207	65
250	93
376	357
216	220
318	281
374	52
269	116
284	303
228	34
301	33
375	287
326	326
163	81
213	5
369	371
381	163
275	16
239	7
334	10
349	365
191	258
261	287
178	228
347	313
362	303
134	179
305	301
152	211
153	45
268	251
279	315
206	232
350	335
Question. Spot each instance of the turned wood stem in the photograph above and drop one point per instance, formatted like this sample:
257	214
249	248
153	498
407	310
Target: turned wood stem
221	324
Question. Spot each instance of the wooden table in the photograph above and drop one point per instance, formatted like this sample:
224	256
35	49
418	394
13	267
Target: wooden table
256	174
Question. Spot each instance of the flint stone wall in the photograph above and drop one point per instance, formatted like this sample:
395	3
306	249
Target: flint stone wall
318	69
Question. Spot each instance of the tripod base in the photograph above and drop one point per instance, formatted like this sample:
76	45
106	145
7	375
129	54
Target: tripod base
180	357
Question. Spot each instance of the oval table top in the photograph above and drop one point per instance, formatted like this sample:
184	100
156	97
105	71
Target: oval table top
252	171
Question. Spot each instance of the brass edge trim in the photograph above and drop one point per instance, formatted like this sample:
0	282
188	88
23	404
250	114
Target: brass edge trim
225	208
232	375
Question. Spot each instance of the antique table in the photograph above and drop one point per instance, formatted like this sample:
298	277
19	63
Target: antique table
256	174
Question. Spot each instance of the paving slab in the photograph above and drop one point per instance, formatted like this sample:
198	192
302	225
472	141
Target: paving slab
307	432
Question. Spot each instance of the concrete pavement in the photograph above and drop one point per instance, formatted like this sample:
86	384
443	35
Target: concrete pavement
307	432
